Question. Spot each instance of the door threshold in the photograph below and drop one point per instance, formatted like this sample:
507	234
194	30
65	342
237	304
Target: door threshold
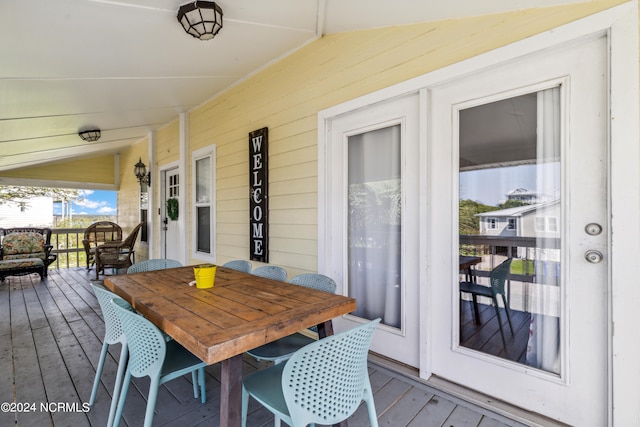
459	393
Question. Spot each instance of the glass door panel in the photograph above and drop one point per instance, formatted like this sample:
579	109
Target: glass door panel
369	221
374	224
528	139
510	229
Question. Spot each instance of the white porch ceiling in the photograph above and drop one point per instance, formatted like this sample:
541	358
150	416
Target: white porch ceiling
127	67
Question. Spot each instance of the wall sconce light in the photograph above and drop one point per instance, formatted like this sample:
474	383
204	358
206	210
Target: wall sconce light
91	135
201	19
144	177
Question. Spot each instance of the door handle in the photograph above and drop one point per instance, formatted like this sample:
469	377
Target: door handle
593	256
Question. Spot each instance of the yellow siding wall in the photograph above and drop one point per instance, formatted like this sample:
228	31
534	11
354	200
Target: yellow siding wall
167	143
98	170
287	97
129	194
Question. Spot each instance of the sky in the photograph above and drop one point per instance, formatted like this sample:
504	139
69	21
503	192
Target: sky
94	202
490	186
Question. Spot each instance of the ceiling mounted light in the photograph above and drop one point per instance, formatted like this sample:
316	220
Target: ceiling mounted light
201	19
91	135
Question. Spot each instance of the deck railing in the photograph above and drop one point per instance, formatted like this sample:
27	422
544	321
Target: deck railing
532	284
536	253
67	245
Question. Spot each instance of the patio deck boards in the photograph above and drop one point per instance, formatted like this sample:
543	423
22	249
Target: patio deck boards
50	341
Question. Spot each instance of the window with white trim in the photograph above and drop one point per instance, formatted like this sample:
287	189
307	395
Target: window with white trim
511	224
492	223
203	169
546	224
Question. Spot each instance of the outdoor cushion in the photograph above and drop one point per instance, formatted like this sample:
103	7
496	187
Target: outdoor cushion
21	245
21	263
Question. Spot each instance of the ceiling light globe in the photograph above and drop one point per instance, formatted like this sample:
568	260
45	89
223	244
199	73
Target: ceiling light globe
201	19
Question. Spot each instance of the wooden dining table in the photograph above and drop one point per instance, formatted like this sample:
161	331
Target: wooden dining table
240	312
467	261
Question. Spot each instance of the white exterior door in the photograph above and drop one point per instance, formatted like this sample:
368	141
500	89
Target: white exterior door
524	146
373	245
170	227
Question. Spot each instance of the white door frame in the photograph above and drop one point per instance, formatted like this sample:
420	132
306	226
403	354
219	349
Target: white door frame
400	343
184	212
621	24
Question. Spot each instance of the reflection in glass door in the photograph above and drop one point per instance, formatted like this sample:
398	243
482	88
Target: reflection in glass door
510	229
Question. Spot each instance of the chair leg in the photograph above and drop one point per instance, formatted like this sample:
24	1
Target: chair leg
371	408
495	305
194	380
151	403
96	381
245	406
122	364
476	310
506	308
123	396
460	318
203	389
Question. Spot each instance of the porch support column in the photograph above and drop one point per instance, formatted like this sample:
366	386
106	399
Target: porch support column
184	170
152	220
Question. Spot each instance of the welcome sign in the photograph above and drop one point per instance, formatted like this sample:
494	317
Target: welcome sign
258	204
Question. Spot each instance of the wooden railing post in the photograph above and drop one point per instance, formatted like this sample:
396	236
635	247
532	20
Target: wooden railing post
67	245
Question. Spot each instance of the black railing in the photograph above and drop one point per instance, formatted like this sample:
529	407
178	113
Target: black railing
527	249
535	270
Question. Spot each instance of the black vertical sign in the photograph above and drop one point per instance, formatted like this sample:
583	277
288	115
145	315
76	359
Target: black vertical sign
258	204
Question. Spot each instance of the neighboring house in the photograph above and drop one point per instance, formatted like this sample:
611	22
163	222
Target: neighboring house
526	196
536	220
38	212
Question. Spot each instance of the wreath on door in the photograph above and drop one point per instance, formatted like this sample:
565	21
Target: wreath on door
172	208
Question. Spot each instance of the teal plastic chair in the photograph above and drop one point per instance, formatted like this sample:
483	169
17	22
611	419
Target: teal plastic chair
153	264
322	383
239	265
150	355
113	334
271	272
282	349
497	278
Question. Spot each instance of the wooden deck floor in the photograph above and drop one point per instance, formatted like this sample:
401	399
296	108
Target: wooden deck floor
50	339
486	336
